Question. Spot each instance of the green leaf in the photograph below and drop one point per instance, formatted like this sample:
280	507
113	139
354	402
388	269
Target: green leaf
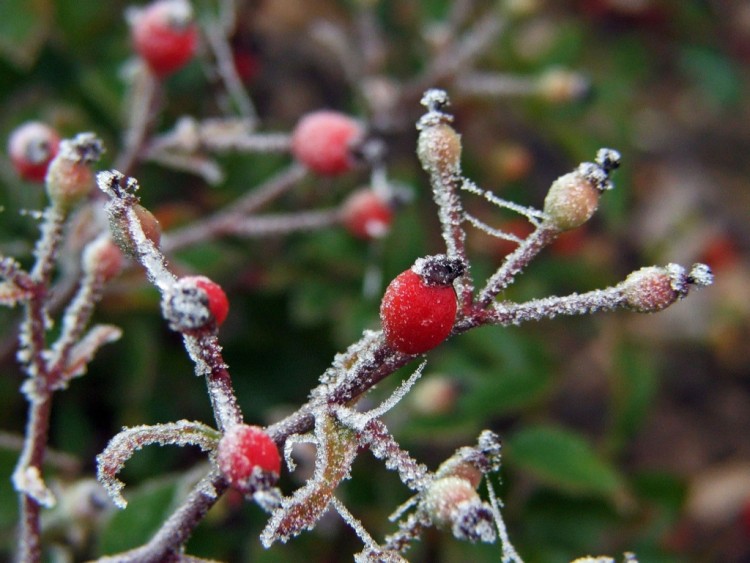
563	459
24	25
713	75
633	393
148	507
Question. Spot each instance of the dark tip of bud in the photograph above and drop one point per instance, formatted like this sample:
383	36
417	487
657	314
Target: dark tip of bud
435	99
608	159
439	269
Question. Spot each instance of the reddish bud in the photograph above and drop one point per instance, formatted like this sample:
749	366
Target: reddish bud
248	458
103	257
652	289
365	215
419	306
323	141
149	225
31	148
69	176
164	34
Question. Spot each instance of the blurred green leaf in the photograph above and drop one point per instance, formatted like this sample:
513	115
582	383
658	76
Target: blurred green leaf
633	391
713	75
24	25
8	497
148	506
562	459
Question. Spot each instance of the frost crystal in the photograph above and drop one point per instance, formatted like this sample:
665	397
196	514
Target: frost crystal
122	447
28	480
185	306
701	275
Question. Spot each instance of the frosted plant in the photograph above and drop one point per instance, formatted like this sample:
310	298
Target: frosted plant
333	419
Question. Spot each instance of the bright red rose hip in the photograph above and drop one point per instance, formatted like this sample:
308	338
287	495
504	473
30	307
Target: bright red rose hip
323	140
165	35
366	215
248	458
31	148
419	306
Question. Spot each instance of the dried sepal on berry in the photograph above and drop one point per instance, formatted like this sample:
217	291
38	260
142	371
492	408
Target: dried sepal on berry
248	458
324	140
31	148
194	303
419	306
69	176
164	34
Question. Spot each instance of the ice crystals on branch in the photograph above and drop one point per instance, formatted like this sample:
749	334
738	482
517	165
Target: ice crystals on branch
122	447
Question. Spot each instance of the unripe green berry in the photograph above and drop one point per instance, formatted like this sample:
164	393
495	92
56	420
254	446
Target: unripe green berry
439	149
571	201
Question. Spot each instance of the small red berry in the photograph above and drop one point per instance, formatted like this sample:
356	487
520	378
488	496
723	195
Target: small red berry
323	140
248	458
31	148
419	306
218	303
165	35
366	215
194	303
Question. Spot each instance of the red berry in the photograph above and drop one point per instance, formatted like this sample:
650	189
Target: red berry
248	458
419	306
194	303
323	140
366	215
31	147
165	35
218	303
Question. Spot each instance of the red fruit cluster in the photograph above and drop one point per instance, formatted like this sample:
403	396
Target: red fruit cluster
165	35
366	215
419	306
31	148
248	458
323	140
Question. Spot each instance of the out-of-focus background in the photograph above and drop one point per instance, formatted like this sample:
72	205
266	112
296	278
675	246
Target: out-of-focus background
622	432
